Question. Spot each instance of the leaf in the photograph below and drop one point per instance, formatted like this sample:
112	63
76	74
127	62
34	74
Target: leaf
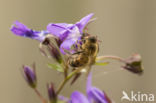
102	64
56	67
60	102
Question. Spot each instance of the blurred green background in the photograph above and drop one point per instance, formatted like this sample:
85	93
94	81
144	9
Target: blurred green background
124	27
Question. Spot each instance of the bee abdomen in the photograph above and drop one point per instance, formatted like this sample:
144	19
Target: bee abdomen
79	60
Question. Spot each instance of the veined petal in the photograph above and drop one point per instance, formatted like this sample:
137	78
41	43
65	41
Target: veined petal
78	97
70	40
22	30
19	29
68	34
66	45
96	95
89	81
59	29
40	35
83	22
20	25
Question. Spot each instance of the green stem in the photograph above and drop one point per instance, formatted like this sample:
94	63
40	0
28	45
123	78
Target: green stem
66	80
110	57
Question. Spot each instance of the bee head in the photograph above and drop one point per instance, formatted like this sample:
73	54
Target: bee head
92	39
89	39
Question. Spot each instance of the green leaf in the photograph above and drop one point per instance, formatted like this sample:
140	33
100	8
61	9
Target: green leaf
56	67
102	64
60	102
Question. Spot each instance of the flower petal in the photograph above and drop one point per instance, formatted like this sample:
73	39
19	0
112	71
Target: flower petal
83	22
89	81
96	95
62	98
30	76
20	25
70	40
40	35
68	34
78	97
66	45
20	29
59	29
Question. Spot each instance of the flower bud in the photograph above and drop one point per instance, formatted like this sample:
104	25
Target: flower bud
134	64
58	42
51	93
54	52
52	49
30	76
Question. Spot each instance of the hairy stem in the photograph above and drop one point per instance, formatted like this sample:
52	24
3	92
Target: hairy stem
40	96
110	57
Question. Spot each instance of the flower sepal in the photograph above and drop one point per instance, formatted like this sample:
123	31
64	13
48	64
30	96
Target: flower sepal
134	64
30	76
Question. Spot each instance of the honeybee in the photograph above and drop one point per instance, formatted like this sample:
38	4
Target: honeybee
78	59
88	50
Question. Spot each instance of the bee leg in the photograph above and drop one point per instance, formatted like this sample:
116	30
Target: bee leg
78	74
77	46
75	78
79	52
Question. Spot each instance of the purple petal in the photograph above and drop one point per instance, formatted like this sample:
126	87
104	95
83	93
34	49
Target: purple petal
29	72
60	29
30	76
22	30
83	22
64	34
89	81
78	97
20	25
96	95
68	33
66	45
51	92
19	29
62	98
70	40
40	35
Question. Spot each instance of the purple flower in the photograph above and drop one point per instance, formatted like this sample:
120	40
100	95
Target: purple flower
30	76
52	49
20	29
68	33
94	95
78	97
51	93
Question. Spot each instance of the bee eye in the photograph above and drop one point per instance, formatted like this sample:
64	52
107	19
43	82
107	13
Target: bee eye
92	39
